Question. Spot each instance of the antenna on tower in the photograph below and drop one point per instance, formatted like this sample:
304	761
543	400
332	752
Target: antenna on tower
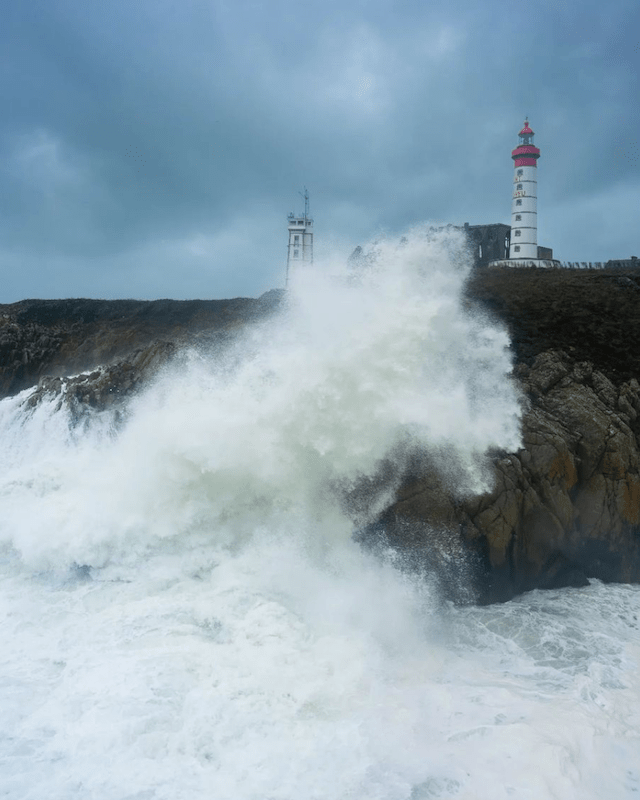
306	202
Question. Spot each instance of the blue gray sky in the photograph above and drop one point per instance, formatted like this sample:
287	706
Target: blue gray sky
154	148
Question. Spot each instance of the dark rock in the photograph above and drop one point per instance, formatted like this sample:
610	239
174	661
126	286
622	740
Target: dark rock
567	506
563	509
56	338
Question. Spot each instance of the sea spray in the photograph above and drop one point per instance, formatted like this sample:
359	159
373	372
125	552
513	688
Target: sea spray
186	615
352	379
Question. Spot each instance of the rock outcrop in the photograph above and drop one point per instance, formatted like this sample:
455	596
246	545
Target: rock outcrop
126	339
563	509
566	507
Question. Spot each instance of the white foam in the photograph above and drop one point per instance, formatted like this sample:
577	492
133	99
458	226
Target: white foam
344	385
224	637
269	675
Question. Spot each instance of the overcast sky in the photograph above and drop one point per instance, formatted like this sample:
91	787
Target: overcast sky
154	148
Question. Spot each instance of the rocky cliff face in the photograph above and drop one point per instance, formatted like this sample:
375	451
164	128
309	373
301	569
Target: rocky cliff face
564	508
567	506
127	339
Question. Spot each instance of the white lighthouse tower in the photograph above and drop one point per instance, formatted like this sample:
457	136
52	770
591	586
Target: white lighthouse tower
524	205
300	250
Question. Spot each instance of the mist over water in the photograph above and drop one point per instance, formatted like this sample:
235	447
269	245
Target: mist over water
188	616
356	375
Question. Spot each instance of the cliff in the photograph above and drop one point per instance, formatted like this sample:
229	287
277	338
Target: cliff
565	508
45	340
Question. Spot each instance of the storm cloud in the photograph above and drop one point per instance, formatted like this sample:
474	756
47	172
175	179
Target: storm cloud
154	149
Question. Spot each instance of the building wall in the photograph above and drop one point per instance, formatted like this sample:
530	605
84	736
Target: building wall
524	213
300	249
488	242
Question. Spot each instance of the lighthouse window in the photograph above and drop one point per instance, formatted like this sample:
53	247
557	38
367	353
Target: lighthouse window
296	239
520	172
295	253
517	248
519	186
517	233
518	202
518	217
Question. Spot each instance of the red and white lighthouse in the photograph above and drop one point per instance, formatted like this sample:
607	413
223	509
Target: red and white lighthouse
524	206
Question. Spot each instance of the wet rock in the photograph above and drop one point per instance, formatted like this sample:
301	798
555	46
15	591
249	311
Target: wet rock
562	509
566	507
56	338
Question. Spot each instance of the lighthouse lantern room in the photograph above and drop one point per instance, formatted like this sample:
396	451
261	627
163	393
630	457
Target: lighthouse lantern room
524	205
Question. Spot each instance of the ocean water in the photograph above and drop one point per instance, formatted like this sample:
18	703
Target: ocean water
185	612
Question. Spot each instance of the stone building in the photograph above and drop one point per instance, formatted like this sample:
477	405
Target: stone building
488	242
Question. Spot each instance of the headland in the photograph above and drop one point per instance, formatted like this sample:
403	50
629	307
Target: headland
563	509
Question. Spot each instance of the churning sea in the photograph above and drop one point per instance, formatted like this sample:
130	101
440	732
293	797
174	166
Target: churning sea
185	614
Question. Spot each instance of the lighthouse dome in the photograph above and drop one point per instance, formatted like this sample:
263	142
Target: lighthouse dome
526	129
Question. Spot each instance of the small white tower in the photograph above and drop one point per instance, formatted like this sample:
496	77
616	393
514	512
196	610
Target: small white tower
524	206
300	250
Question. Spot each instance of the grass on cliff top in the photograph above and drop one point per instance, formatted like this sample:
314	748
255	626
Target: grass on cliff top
593	315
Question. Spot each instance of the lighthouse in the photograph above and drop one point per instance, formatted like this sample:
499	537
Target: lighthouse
524	204
300	249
